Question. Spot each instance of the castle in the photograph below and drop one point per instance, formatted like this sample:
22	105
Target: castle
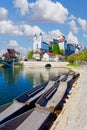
40	47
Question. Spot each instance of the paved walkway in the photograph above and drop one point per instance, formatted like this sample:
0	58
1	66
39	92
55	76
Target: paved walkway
74	113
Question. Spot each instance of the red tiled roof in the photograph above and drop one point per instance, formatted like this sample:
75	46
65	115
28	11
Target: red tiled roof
50	54
6	54
12	51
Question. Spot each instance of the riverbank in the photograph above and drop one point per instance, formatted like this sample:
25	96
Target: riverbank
74	113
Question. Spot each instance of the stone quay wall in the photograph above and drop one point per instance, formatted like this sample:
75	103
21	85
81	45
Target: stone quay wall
40	64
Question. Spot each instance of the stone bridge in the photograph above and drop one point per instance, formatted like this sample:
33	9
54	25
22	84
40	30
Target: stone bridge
41	64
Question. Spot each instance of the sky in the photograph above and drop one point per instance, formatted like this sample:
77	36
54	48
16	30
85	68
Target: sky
20	20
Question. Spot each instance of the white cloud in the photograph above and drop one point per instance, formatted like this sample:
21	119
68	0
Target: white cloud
51	35
3	13
55	33
13	43
72	17
30	30
42	10
7	27
48	11
83	23
22	5
85	36
72	39
22	50
2	51
73	26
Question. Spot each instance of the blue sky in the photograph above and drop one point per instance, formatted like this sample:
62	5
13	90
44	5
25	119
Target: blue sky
21	19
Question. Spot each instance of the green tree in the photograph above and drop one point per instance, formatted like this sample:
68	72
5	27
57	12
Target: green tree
55	49
61	51
82	56
30	55
71	58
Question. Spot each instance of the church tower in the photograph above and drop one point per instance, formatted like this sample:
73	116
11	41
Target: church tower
40	40
37	42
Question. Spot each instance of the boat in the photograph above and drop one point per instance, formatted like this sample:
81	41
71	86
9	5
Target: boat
18	106
45	106
24	102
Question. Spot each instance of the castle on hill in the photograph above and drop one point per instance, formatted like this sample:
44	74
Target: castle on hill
40	47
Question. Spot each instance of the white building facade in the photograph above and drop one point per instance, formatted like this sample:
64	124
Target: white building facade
37	42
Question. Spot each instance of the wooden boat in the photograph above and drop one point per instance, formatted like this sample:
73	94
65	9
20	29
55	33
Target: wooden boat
45	107
51	99
24	102
30	120
18	105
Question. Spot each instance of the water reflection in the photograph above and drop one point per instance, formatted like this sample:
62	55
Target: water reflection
39	75
15	81
10	75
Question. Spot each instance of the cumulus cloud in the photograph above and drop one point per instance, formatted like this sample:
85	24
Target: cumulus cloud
85	36
72	17
30	30
48	11
51	35
42	10
22	5
73	26
7	27
3	13
83	23
13	43
2	51
72	39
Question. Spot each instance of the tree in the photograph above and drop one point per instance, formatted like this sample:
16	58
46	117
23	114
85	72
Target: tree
30	55
71	58
61	51
55	49
82	56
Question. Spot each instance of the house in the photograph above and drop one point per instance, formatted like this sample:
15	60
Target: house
59	58
48	56
37	55
11	53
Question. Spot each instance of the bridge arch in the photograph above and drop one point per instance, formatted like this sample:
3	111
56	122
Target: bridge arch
48	65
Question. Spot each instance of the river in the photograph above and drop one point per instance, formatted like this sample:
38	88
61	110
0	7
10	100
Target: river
15	81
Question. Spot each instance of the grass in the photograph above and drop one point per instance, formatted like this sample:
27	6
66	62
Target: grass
73	65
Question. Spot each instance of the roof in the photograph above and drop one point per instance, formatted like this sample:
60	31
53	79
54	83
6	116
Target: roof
72	44
60	56
11	53
6	54
36	52
50	54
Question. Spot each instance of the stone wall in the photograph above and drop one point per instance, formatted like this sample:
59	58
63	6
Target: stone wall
41	64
